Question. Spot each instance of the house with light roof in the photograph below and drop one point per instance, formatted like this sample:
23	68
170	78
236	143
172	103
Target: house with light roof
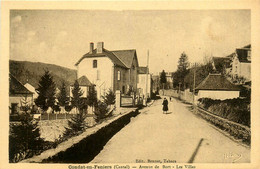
109	69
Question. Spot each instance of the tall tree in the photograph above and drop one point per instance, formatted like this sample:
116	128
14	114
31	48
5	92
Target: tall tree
46	92
63	99
183	63
163	79
182	70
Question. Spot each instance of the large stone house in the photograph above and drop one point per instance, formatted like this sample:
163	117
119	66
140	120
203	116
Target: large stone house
241	63
115	70
18	95
216	86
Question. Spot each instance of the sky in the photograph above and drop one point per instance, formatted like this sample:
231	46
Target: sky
61	37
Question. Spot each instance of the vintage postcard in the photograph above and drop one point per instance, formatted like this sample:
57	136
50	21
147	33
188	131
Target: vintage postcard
130	85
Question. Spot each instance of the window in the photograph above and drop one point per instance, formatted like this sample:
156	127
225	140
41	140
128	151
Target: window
94	63
14	108
118	75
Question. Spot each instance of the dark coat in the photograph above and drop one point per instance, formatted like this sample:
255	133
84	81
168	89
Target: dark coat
165	105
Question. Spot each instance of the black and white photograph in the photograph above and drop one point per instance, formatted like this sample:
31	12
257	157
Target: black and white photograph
118	88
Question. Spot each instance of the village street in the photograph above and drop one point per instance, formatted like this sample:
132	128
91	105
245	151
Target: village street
179	136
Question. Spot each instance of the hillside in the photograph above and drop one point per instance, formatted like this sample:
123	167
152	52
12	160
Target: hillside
33	71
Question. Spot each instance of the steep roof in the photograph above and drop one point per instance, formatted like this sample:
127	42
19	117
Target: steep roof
83	81
216	82
16	87
126	56
143	70
122	58
105	53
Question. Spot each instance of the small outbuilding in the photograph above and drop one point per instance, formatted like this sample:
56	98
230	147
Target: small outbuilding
216	86
84	85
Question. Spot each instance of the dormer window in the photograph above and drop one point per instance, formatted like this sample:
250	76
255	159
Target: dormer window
94	63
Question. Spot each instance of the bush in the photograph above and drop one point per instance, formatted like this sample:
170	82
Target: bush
101	110
68	108
236	110
109	98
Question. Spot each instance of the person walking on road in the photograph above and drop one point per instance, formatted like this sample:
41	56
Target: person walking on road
165	105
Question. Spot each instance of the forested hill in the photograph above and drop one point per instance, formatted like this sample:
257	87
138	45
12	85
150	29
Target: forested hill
33	71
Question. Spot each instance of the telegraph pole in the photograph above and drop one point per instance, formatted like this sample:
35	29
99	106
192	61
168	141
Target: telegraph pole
147	67
194	81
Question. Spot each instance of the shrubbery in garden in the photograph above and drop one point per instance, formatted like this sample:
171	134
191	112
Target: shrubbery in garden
236	110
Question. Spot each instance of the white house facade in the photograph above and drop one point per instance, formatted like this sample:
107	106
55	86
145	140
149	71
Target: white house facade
241	63
115	70
144	84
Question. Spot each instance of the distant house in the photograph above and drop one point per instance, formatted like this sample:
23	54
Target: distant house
84	85
31	89
115	70
222	64
18	95
216	86
144	82
241	63
156	83
168	76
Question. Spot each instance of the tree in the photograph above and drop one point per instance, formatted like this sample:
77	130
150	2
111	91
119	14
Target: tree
182	70
46	92
92	97
109	98
101	111
76	94
183	63
77	123
163	79
24	138
63	99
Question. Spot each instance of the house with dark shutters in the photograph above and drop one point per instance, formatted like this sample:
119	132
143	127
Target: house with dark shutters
115	70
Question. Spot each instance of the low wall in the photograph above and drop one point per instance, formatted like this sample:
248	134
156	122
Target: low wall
183	95
235	129
83	148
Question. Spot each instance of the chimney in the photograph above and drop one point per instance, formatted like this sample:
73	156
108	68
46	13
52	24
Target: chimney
91	47
100	46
